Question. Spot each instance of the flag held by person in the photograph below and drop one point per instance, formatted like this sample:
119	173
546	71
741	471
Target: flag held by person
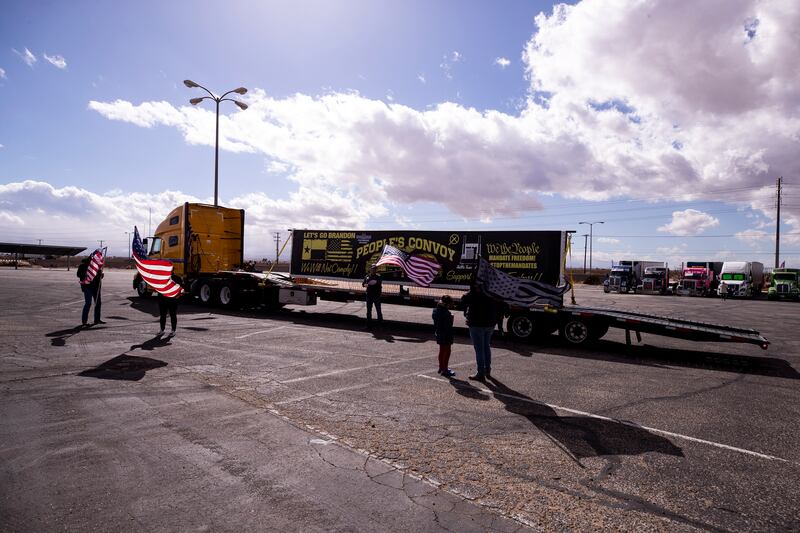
517	291
95	265
420	270
155	272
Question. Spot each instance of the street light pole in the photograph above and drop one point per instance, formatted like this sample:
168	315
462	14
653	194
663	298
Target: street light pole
591	238
128	233
217	100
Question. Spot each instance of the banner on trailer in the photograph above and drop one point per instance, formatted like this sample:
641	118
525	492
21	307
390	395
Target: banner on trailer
535	255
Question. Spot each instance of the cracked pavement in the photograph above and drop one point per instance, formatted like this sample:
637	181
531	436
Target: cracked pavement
302	421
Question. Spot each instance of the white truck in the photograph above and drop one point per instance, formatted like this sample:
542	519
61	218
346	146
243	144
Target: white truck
742	278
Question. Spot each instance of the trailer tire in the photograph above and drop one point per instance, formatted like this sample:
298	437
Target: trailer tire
205	291
575	331
226	295
142	290
523	326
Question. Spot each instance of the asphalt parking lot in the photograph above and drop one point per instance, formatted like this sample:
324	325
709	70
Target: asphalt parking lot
301	420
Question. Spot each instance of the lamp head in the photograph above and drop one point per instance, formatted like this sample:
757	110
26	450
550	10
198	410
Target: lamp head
240	90
195	101
190	84
241	105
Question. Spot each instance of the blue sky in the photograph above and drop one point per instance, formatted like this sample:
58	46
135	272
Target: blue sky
670	124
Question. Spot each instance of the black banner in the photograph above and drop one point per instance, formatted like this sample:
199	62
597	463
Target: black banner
535	255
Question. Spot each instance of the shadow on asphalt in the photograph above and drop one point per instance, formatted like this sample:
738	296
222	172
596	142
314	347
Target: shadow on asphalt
129	367
582	436
415	332
123	367
59	338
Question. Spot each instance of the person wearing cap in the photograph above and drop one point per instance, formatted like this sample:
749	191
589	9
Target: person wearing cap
374	285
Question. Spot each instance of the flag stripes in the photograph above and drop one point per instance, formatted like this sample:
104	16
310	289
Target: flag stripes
155	272
517	291
95	265
420	270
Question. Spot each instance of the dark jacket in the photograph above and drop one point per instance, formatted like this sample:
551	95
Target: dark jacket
81	273
479	309
374	290
443	324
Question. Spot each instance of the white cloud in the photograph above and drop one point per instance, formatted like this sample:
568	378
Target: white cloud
754	237
608	240
614	110
502	62
2	74
27	56
689	222
32	210
56	60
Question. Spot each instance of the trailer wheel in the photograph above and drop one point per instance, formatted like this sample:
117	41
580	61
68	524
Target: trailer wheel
520	326
575	331
206	292
141	289
226	295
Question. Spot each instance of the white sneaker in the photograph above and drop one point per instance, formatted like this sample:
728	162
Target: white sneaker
171	333
160	333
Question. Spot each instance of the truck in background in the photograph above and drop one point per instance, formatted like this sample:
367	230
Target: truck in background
626	276
744	279
655	279
700	278
785	284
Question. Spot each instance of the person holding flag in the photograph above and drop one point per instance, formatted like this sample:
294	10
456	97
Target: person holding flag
158	274
90	274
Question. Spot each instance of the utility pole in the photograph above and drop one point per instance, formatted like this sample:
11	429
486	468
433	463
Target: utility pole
585	241
778	226
40	241
150	222
101	243
277	246
128	233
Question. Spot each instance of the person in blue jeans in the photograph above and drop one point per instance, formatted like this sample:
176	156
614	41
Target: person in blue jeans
481	314
91	292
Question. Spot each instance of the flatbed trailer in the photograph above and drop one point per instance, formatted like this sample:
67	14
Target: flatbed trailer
577	325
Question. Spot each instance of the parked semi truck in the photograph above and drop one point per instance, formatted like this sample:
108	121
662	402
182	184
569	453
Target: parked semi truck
626	276
744	279
700	278
785	284
205	243
655	279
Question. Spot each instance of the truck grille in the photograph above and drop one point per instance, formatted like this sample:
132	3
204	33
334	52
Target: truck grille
688	285
782	289
648	286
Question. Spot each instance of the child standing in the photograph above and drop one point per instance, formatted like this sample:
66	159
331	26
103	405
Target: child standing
443	328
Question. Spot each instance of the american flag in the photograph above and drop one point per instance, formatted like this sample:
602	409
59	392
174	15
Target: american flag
156	272
418	269
95	265
517	291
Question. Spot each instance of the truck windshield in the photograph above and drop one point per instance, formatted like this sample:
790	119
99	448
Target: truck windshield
694	275
784	277
733	277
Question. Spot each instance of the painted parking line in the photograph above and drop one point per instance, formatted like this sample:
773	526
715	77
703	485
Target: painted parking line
356	369
626	423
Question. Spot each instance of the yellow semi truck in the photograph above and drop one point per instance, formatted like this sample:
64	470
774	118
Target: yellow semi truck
206	245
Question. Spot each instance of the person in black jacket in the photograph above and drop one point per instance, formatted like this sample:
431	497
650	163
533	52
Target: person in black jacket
169	304
480	311
91	291
443	329
374	285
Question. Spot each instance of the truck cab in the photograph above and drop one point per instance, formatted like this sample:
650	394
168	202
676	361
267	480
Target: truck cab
655	280
742	278
696	281
785	284
621	279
